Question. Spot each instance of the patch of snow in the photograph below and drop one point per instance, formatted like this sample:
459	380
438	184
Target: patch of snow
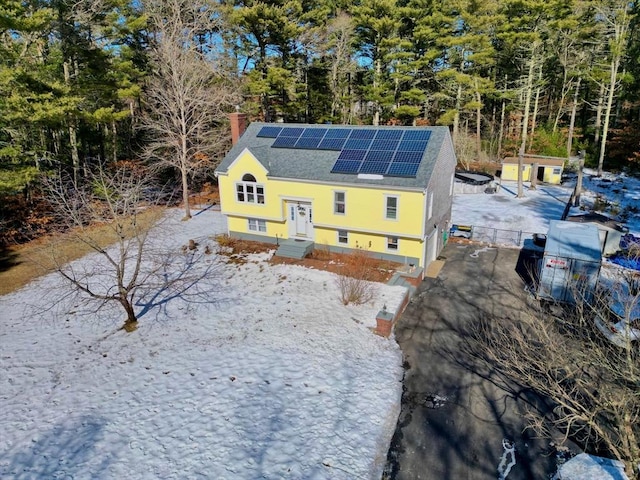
532	213
266	376
507	460
590	467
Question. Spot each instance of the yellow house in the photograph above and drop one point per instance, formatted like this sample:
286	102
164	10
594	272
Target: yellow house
387	190
549	169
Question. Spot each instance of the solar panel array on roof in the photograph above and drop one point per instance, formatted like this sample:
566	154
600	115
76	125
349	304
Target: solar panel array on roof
392	152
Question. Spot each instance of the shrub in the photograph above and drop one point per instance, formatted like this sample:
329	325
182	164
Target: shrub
354	278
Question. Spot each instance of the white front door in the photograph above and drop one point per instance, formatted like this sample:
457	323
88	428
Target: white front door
300	220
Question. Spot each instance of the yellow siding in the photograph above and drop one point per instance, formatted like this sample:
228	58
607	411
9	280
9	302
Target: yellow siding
364	216
373	243
550	177
510	172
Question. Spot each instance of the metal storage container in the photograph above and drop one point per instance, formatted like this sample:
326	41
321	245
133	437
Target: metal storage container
571	262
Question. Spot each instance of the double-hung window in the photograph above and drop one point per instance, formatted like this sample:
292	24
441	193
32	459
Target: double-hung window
257	225
392	244
343	237
391	210
248	191
339	203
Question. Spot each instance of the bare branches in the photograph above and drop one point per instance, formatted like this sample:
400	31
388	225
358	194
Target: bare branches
188	93
112	198
592	384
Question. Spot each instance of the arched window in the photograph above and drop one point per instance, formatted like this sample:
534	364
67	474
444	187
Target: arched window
248	191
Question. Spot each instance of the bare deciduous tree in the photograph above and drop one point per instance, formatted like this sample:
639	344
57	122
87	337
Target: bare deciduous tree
189	92
129	266
111	198
591	384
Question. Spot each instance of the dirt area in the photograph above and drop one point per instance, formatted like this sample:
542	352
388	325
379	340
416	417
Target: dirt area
358	263
24	263
377	270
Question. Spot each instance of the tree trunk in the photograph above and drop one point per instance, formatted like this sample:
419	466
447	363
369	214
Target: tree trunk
184	173
572	120
376	85
534	177
502	115
613	80
525	121
578	190
478	124
114	132
598	122
73	139
535	108
456	118
131	323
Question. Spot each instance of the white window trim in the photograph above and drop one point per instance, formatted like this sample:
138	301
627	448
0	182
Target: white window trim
259	224
336	202
346	235
386	207
255	194
388	242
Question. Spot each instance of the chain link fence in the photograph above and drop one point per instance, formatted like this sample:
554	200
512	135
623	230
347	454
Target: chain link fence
493	236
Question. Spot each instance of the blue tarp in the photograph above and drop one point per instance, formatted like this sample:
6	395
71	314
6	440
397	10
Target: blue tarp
623	258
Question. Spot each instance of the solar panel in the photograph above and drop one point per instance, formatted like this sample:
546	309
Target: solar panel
313	133
389	134
378	156
412	146
389	145
308	143
291	132
269	132
374	167
358	144
345	166
338	133
285	142
387	151
332	143
363	133
408	157
416	135
357	155
397	169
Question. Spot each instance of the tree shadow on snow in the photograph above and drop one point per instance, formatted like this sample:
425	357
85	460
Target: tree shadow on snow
61	452
189	279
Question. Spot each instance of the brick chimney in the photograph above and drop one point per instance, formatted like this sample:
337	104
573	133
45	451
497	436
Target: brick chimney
238	125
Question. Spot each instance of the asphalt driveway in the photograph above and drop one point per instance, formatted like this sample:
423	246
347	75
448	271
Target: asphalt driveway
459	420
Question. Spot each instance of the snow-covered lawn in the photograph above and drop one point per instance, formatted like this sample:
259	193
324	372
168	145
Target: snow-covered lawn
269	377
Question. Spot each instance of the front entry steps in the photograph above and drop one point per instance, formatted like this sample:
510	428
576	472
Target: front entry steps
297	249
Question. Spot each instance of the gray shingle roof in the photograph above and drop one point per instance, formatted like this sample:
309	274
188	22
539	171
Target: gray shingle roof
316	165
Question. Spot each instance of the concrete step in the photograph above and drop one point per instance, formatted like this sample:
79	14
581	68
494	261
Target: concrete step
290	252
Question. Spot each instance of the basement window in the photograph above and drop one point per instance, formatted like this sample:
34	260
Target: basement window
257	225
